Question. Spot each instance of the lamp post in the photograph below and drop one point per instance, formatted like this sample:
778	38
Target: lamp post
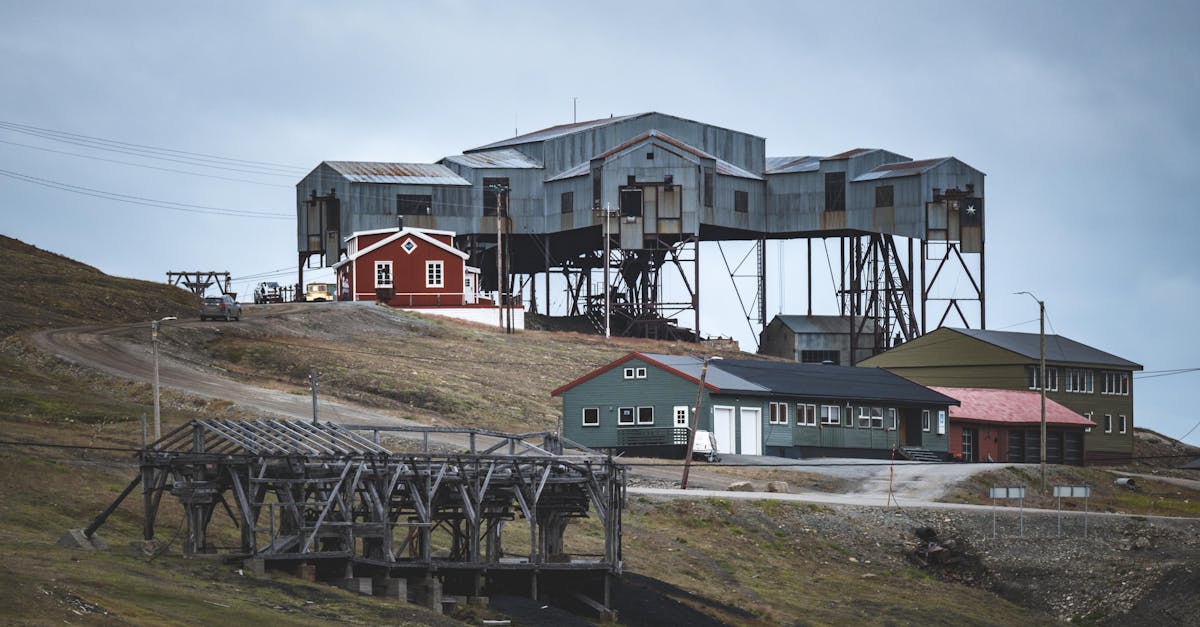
500	191
607	213
1042	378
154	341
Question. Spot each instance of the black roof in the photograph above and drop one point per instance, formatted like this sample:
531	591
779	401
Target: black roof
1058	348
828	381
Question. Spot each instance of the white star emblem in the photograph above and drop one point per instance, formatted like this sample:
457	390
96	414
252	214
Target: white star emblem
970	210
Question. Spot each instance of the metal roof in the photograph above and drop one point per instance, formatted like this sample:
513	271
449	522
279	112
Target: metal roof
504	158
1058	348
829	381
818	324
555	131
849	153
722	167
691	366
1009	407
902	168
397	173
789	165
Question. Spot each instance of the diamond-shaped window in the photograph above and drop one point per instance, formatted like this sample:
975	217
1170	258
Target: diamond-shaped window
409	246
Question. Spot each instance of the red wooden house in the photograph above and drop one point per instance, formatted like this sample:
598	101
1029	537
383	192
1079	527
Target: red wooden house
407	267
1005	426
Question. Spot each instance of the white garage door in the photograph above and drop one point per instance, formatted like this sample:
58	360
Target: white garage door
750	426
723	429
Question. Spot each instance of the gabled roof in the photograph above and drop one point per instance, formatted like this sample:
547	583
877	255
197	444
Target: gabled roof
828	381
682	366
1058	348
398	234
506	158
397	173
789	165
555	131
722	167
818	324
849	153
901	168
1009	407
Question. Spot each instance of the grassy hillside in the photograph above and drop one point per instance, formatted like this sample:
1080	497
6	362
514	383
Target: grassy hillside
44	290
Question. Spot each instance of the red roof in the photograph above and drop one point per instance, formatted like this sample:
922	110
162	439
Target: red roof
1009	407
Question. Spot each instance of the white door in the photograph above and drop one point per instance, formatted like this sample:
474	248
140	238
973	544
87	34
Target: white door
750	426
723	429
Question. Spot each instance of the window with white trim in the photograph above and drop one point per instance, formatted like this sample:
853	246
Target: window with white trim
777	414
645	415
625	416
1078	380
433	274
876	417
893	419
1034	377
1088	429
806	413
864	417
383	274
591	416
941	424
1108	423
831	415
925	426
1123	424
640	373
1115	383
848	421
629	373
681	416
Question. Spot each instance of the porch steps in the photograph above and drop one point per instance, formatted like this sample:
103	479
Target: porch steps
918	454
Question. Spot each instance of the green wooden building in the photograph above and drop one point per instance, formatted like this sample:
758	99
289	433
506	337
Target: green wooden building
1089	381
644	403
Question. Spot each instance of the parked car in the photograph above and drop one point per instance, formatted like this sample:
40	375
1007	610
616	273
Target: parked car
318	292
223	307
268	292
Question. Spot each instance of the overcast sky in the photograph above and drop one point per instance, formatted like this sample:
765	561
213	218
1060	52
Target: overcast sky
1085	116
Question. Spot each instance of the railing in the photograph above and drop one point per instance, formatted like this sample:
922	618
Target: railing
648	436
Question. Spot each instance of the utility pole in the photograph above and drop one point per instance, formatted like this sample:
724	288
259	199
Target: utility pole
312	379
154	341
1042	379
606	214
695	423
501	192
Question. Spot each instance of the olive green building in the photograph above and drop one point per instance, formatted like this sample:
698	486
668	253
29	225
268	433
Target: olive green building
1087	380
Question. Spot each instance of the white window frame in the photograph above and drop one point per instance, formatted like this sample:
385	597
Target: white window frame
941	422
1123	424
806	412
682	414
831	415
435	274
640	373
639	415
864	417
876	421
777	413
584	417
893	419
621	422
1108	423
379	265
926	423
629	373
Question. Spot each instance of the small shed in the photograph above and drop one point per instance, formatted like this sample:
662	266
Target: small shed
406	267
1005	426
816	339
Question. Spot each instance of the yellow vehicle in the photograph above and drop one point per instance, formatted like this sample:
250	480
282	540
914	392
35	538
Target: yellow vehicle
319	292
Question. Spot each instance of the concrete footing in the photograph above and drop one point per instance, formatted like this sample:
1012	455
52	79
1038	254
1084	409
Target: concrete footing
75	539
359	585
428	593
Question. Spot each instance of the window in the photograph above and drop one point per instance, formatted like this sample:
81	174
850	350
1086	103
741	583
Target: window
864	417
778	414
1108	423
820	357
893	419
806	414
708	187
495	195
884	196
631	202
1077	380
640	373
568	202
741	201
645	415
849	420
831	415
433	274
383	274
596	188
1088	429
681	416
925	426
835	191
413	205
1115	383
629	373
625	416
1051	378
408	246
876	417
1123	423
591	416
941	426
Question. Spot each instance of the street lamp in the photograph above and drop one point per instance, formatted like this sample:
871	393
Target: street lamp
1042	378
154	341
607	213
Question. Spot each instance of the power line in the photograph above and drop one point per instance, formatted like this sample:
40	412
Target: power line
140	200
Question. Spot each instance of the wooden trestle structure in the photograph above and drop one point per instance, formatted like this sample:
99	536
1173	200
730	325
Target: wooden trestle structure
333	497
